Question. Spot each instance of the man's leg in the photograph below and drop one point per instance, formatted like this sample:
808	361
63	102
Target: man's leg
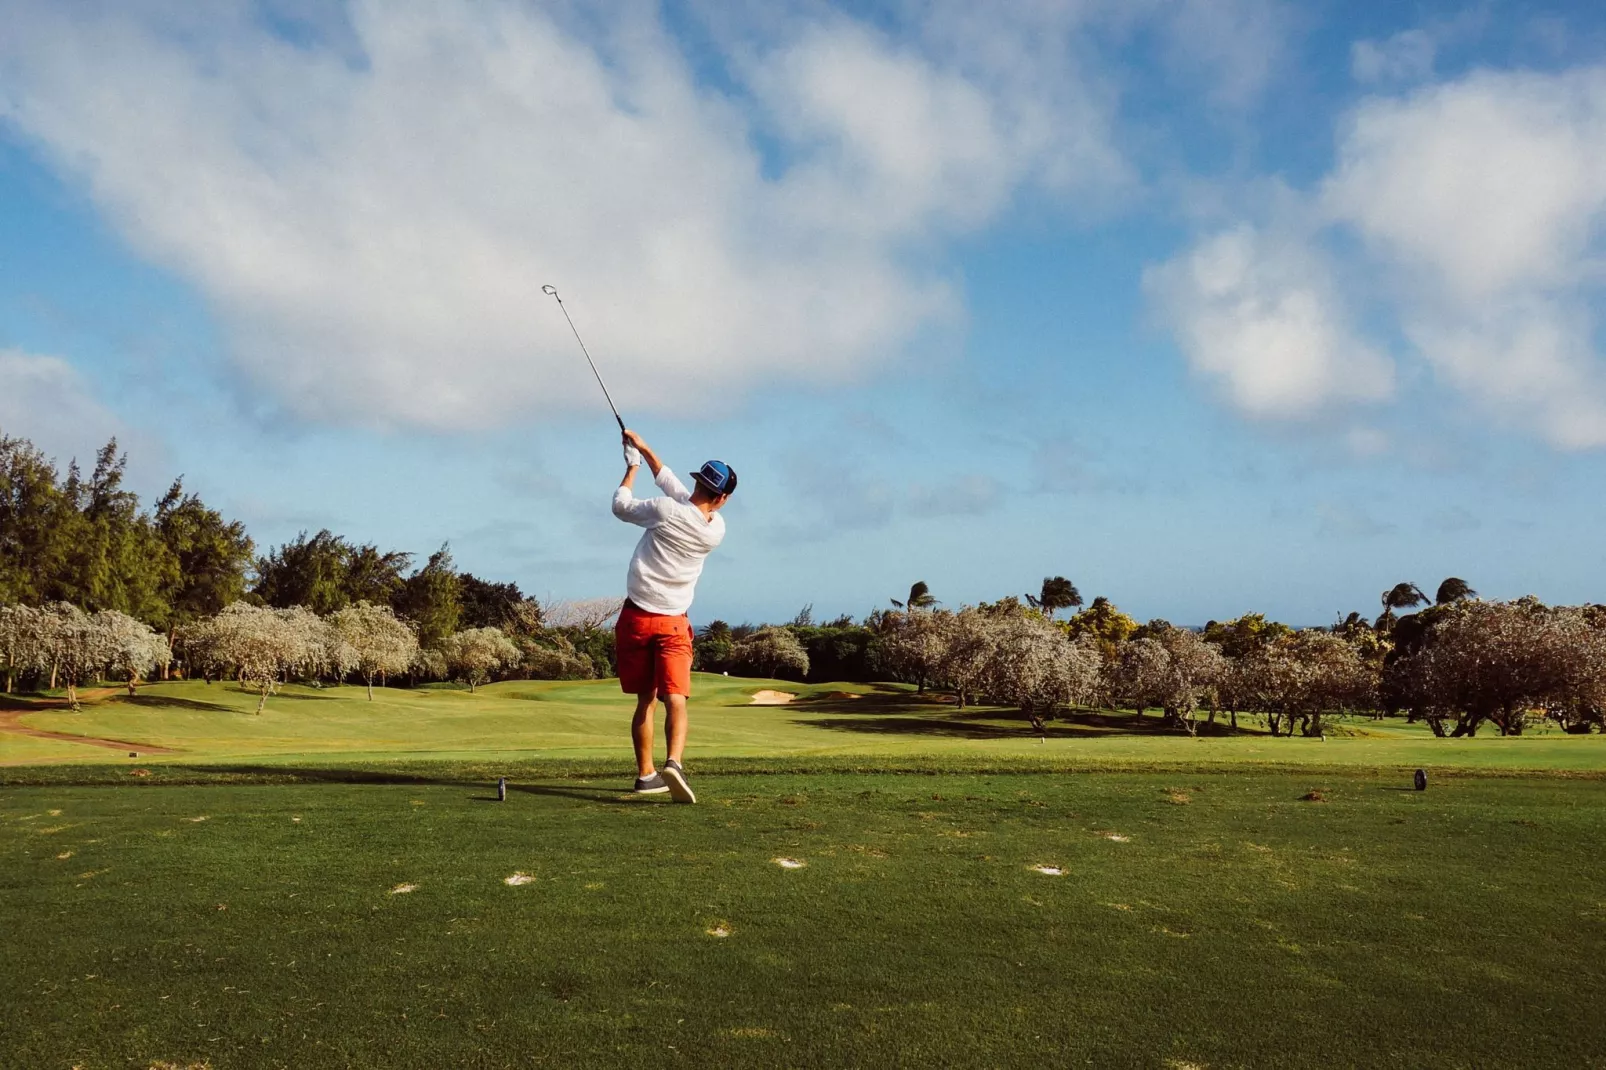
675	725
641	731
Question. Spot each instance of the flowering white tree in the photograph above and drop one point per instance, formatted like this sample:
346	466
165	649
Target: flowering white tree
475	653
586	614
969	647
264	646
378	643
1495	661
76	648
1193	671
1140	675
21	642
132	648
913	647
1035	668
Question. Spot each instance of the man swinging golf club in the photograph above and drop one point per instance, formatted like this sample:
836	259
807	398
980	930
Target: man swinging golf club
653	636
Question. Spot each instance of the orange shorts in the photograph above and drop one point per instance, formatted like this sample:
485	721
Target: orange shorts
653	651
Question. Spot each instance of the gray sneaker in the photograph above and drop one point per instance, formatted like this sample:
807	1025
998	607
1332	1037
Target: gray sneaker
652	785
675	776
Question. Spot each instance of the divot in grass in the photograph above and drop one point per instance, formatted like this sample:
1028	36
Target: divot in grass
719	930
196	820
403	889
1049	871
1116	837
517	879
789	863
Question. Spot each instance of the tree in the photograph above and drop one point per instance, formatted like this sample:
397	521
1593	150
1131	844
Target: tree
380	645
968	652
131	648
1400	596
1036	669
1057	593
1105	624
712	648
430	599
913	649
1453	589
77	649
212	557
35	535
586	614
115	558
475	653
305	572
264	646
919	598
21	642
771	652
1495	661
1140	676
375	576
486	604
1242	635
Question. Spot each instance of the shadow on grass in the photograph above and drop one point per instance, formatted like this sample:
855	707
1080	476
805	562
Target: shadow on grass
983	724
382	777
160	701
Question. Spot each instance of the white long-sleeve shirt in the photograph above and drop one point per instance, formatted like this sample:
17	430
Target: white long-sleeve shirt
669	557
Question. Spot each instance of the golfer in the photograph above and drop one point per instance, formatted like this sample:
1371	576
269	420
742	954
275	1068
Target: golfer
653	636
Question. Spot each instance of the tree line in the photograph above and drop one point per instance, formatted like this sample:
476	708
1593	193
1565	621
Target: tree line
93	586
90	580
1454	661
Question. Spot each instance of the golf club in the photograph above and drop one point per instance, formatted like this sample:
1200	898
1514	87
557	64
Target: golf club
553	290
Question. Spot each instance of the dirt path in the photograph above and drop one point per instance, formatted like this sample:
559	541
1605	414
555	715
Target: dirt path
11	721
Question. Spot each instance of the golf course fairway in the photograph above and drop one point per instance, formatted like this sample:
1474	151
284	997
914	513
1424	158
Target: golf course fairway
333	883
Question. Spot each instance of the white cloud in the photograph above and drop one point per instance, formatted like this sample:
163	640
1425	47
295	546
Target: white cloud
1237	44
1478	204
1484	198
373	220
46	401
1258	313
1405	57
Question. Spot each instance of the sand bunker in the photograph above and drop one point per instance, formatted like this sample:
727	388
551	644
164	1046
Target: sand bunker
517	879
789	863
772	698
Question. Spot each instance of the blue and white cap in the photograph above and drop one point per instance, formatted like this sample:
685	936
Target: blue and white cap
717	477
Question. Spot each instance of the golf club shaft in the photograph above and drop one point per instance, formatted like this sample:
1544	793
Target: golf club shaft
553	290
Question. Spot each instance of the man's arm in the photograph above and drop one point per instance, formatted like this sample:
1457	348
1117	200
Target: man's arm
629	508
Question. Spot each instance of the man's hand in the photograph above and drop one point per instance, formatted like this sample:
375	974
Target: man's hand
643	451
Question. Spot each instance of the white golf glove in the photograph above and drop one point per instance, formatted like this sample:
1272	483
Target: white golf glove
632	456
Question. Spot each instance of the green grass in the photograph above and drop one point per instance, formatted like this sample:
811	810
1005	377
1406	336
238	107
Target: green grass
1237	925
566	722
230	903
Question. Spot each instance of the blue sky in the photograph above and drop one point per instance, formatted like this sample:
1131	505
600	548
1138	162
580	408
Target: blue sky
1209	306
